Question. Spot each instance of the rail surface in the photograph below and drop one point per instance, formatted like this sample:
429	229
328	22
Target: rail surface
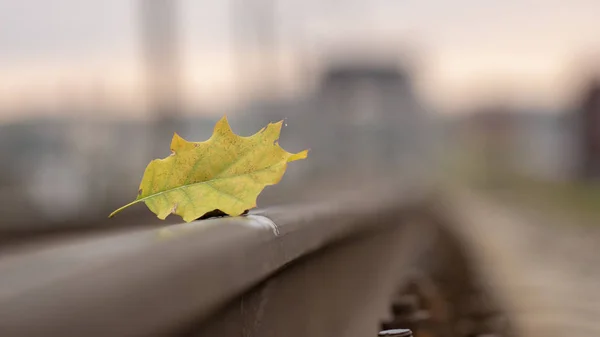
153	282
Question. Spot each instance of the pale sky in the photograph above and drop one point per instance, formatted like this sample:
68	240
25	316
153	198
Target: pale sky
530	50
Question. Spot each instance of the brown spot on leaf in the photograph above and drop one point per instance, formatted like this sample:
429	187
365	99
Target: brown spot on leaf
140	192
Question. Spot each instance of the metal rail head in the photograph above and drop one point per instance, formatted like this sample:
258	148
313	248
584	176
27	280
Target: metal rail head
152	282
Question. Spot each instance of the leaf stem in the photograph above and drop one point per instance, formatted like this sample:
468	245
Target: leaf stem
123	207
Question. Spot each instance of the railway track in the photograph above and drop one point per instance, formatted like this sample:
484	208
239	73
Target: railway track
376	258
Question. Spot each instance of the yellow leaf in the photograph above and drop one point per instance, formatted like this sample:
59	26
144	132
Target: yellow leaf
227	172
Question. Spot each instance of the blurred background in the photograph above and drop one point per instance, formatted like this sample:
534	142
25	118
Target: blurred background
502	96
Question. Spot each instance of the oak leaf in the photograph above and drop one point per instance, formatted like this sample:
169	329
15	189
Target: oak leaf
226	173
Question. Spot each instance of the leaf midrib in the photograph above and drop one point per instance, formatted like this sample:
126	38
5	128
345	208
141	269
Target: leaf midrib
190	185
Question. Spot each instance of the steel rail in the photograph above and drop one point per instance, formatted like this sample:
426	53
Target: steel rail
148	281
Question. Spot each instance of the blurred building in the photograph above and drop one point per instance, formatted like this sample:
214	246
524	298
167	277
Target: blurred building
547	145
361	116
507	142
372	107
590	135
489	135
